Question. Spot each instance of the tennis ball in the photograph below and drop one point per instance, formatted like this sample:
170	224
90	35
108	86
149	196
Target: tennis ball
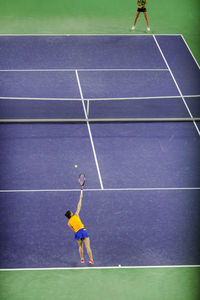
75	166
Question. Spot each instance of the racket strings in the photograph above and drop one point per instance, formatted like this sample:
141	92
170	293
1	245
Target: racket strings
82	179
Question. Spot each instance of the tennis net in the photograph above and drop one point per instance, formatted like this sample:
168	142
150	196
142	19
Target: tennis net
149	109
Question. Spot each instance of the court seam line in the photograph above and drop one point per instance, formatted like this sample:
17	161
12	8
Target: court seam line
89	130
177	86
190	51
101	268
97	99
100	190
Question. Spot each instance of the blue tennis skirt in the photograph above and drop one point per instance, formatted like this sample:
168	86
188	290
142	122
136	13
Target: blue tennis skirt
81	234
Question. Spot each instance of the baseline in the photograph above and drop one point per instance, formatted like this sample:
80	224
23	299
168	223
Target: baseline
102	268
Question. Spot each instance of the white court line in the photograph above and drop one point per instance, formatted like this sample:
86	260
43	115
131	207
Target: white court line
190	51
40	99
99	120
98	99
101	268
100	190
80	70
89	130
198	131
142	98
86	34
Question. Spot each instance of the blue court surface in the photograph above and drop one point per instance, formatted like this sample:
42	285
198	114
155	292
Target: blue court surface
141	201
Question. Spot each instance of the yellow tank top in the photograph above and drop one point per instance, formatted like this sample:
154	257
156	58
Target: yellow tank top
76	223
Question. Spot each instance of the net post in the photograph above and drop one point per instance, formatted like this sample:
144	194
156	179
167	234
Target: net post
88	107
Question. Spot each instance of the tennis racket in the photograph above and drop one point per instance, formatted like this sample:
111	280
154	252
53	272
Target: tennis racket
81	180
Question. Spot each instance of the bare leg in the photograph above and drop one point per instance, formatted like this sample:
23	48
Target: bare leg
80	248
87	245
145	15
136	17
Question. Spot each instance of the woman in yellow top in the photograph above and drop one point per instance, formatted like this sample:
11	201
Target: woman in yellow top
81	234
141	4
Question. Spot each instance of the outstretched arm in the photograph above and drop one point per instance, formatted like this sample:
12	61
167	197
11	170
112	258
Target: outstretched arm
79	204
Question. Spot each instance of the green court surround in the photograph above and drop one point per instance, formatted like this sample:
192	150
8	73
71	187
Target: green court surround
98	284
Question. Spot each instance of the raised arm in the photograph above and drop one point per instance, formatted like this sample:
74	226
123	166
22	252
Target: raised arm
79	204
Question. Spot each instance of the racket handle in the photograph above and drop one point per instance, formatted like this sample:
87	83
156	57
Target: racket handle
82	192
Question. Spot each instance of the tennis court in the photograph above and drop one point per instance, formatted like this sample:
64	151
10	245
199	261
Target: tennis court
132	126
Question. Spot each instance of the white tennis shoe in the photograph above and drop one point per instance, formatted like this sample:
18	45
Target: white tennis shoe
91	261
148	28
